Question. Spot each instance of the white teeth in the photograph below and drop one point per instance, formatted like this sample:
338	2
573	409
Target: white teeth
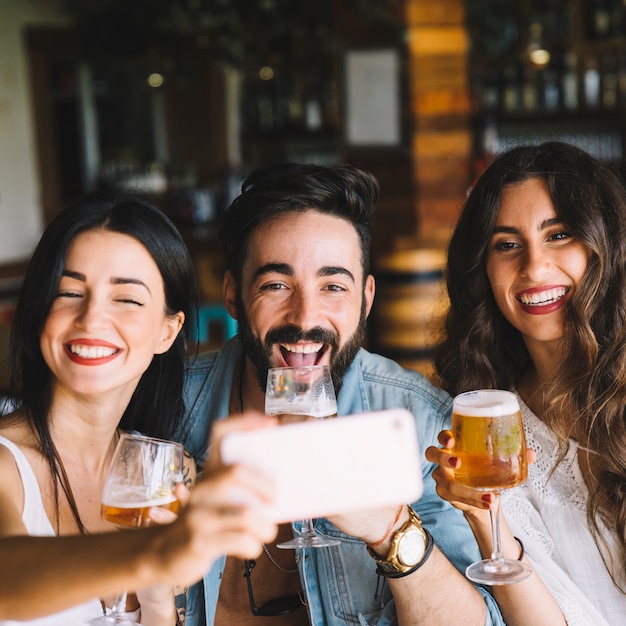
302	348
544	297
92	352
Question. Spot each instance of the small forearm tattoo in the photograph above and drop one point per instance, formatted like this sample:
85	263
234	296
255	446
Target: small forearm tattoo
188	479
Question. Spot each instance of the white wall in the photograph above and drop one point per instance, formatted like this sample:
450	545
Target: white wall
21	216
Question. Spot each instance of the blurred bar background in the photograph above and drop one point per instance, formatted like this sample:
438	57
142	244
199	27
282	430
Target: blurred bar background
181	99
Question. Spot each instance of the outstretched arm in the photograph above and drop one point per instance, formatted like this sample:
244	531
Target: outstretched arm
44	575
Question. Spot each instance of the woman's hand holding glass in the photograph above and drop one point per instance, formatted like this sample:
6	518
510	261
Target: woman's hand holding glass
487	453
142	477
223	514
470	501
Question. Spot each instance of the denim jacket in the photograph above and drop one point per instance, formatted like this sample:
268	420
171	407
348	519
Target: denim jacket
340	583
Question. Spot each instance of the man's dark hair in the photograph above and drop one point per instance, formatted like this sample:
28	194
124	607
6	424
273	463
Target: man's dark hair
342	191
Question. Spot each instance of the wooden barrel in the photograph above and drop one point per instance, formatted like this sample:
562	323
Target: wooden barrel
409	307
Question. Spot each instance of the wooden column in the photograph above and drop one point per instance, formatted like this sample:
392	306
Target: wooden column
439	96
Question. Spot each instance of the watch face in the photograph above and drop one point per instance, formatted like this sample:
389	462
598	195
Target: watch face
411	548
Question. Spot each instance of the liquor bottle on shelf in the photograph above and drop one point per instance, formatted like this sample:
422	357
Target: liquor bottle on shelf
487	146
621	80
282	87
564	12
296	107
598	19
609	81
591	80
331	102
265	105
490	91
551	91
618	15
511	89
313	105
530	93
570	82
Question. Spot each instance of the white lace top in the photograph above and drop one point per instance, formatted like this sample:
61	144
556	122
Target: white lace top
548	514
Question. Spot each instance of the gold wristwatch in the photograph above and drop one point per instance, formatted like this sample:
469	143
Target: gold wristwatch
411	545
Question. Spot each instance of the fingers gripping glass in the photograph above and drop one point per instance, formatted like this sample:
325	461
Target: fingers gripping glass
274	607
143	475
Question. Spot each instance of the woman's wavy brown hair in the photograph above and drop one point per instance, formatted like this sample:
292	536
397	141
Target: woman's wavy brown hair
482	350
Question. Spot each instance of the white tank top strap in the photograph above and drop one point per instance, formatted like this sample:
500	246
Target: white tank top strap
34	514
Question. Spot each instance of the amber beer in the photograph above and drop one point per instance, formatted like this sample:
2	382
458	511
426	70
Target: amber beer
136	514
489	440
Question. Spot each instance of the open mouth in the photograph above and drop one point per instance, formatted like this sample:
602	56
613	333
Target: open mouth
543	298
302	354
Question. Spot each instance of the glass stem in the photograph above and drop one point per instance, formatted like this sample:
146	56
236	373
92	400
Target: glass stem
119	606
307	529
494	515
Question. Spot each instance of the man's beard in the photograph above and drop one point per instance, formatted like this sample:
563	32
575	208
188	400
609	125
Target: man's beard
260	354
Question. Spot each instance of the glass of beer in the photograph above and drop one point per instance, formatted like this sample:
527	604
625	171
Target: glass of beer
143	474
295	394
491	447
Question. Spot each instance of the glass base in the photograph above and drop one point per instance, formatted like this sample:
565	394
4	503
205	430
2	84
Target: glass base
309	541
111	620
498	572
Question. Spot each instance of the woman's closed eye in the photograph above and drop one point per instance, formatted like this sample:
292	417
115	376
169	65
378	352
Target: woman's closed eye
130	301
68	294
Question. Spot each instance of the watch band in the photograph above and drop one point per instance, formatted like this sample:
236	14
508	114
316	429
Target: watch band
392	566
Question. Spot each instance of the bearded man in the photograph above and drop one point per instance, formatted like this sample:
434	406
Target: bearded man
298	284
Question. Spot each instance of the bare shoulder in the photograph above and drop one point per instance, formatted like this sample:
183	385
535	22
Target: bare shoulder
11	487
15	427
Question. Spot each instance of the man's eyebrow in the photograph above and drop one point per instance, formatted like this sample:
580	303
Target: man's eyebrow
332	270
278	268
287	270
114	281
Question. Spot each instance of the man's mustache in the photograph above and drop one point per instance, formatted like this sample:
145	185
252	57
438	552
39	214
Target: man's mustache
293	334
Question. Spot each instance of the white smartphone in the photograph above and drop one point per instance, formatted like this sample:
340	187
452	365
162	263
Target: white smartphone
327	467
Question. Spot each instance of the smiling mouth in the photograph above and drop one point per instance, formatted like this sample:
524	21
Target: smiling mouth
543	298
299	354
91	352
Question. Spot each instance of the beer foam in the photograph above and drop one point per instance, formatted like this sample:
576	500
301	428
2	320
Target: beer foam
137	504
486	403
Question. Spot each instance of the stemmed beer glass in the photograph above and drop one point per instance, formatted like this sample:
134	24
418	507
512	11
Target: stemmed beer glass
143	474
295	394
490	444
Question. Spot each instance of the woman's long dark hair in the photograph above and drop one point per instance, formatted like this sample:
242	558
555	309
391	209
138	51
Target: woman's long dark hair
482	350
156	407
